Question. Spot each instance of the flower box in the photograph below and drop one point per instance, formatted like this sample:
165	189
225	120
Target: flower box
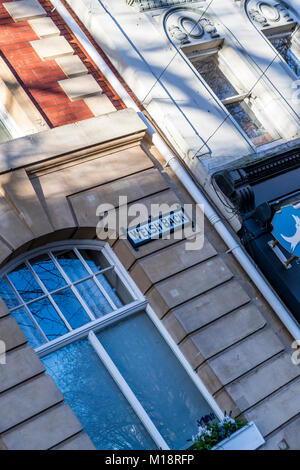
246	438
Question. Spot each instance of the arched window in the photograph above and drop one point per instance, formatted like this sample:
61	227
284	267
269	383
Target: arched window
196	35
278	24
104	347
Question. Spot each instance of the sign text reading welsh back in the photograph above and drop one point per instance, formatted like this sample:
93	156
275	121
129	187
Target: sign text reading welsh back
156	228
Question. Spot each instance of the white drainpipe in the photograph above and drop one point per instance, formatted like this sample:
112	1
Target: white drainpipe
237	251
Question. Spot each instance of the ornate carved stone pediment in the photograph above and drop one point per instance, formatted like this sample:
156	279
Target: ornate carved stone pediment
143	5
268	13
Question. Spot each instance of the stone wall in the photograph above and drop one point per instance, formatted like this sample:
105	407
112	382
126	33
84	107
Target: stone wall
50	188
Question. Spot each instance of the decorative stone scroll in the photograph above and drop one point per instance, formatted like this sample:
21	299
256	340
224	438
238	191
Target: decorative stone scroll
144	5
187	25
268	13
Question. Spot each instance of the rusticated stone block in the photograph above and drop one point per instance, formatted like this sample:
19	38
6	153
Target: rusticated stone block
79	442
44	431
168	262
11	333
263	381
194	281
246	355
277	409
21	364
26	400
228	330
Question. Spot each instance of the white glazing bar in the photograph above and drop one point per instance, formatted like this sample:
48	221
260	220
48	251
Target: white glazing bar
128	393
106	295
122	273
48	296
75	292
190	371
24	305
94	325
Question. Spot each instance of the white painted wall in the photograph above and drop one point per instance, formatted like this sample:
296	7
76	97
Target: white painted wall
180	103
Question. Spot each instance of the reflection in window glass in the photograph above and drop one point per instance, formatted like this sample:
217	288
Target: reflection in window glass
248	122
47	272
115	287
94	298
71	308
214	77
95	398
162	386
48	319
31	332
284	47
71	264
95	260
25	283
66	301
239	107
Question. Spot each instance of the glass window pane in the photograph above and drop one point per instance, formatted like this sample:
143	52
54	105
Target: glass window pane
34	337
7	295
249	123
95	259
94	397
215	78
71	264
115	288
156	377
47	272
71	308
94	298
48	319
284	47
25	283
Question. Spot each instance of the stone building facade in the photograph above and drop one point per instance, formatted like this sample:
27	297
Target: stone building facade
75	147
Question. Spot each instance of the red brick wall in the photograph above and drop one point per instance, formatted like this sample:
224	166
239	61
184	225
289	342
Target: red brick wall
39	78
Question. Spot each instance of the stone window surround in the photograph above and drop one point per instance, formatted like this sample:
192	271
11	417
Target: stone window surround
281	32
139	304
205	49
277	29
264	94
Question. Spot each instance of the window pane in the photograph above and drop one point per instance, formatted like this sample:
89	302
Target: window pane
284	47
29	329
93	395
25	283
215	78
115	288
94	298
248	122
47	272
71	264
7	294
48	319
95	259
156	377
71	308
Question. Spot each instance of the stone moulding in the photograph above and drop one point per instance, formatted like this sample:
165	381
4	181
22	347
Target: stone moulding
144	5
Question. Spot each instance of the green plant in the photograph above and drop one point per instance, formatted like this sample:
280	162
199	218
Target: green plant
210	434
